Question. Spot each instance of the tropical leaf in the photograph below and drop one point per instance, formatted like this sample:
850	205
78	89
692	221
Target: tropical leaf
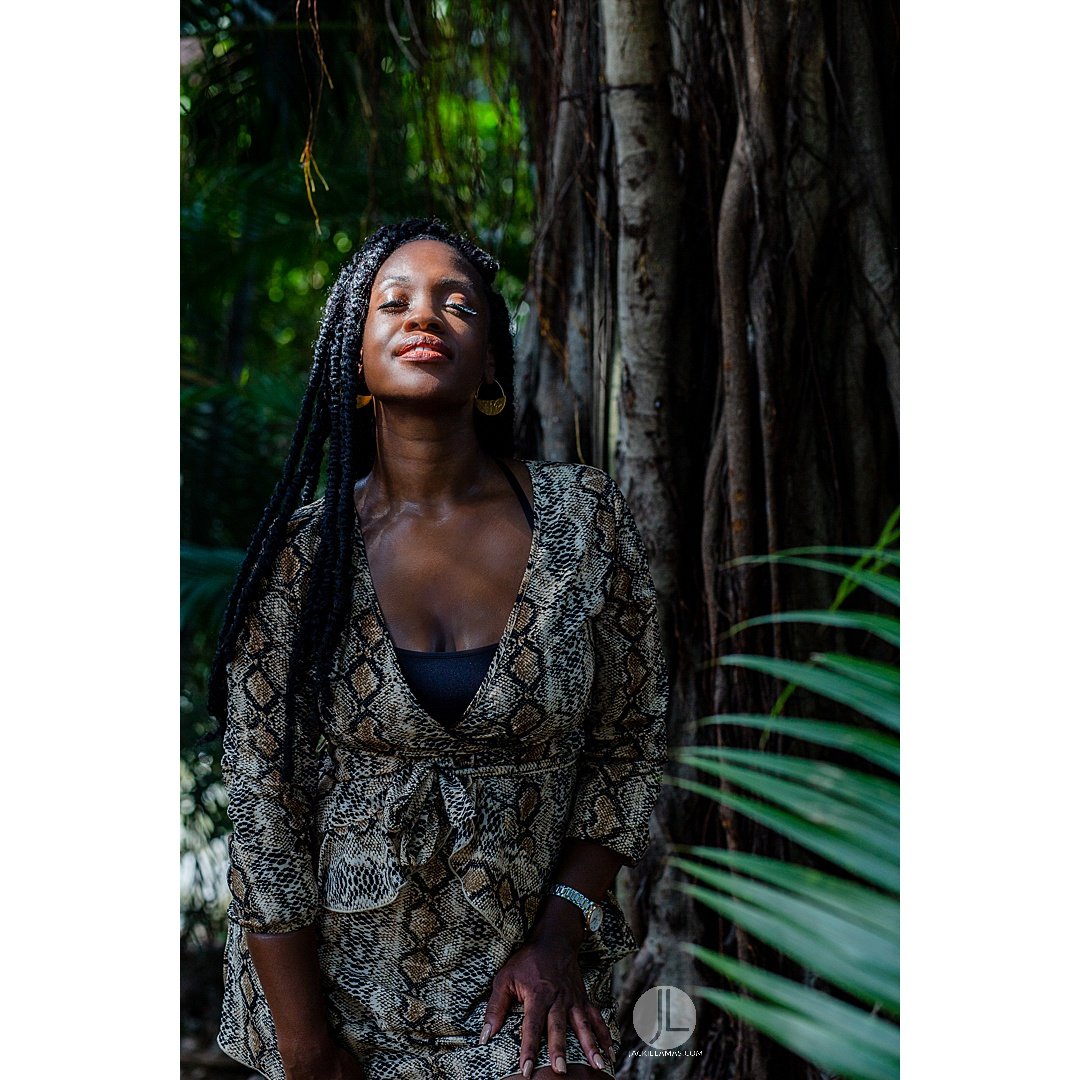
871	793
882	554
848	954
880	584
813	805
856	902
886	627
824	1044
844	849
881	705
871	673
844	932
873	746
859	1026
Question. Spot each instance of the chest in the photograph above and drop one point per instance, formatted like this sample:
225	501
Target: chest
449	585
539	682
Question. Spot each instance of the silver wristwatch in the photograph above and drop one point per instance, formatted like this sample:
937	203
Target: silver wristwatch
593	912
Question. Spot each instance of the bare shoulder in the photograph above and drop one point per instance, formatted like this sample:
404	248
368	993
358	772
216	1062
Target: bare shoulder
522	474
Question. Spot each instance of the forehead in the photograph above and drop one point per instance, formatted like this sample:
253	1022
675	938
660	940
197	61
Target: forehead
418	261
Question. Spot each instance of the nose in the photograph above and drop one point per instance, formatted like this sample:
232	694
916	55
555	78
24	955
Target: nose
423	315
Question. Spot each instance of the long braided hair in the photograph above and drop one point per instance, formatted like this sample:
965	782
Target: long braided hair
329	414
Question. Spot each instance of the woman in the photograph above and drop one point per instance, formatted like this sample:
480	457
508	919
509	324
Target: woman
445	695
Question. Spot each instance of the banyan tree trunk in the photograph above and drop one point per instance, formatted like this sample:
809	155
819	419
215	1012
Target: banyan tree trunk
714	319
645	189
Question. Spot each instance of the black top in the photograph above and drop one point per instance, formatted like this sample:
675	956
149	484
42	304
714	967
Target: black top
445	682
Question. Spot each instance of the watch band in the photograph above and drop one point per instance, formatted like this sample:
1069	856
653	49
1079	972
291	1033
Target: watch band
593	912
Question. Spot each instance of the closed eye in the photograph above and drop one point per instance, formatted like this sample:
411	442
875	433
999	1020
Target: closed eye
392	305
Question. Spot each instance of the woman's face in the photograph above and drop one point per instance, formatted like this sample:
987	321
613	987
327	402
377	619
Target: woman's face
426	335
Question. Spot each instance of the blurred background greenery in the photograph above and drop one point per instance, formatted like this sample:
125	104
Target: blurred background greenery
391	141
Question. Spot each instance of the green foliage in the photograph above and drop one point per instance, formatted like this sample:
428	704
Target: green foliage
206	576
844	931
421	119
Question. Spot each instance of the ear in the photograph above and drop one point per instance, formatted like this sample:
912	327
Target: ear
489	367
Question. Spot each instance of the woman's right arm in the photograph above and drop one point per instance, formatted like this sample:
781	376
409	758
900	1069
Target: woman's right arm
288	967
271	876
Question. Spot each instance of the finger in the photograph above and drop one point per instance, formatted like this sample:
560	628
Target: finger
603	1032
581	1023
556	1037
502	998
532	1024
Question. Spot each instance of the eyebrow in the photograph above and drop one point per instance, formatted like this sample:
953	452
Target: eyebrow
447	282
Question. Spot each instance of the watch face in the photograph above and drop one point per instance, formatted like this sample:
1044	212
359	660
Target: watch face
596	917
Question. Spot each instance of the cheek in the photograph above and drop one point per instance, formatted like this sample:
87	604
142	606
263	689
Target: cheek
370	337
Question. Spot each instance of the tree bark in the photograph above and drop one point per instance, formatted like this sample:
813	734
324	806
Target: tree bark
559	387
716	302
646	192
867	176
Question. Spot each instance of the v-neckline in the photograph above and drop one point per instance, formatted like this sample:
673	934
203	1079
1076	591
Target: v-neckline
387	642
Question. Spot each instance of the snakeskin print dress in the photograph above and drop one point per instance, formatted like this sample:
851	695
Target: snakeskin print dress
422	853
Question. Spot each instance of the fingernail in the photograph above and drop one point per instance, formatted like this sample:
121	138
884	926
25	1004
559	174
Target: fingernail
598	1060
485	1033
526	1068
560	1064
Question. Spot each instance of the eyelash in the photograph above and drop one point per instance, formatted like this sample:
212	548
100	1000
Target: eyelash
401	303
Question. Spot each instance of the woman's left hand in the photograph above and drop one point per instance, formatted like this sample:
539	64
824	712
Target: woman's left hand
545	977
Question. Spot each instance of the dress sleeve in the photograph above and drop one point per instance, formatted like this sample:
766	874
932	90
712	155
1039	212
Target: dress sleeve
622	761
271	876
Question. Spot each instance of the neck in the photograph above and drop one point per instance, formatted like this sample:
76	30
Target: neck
425	459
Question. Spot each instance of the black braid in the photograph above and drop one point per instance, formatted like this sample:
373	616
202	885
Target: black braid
329	412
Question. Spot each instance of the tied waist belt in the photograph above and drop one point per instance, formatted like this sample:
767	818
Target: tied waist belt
414	799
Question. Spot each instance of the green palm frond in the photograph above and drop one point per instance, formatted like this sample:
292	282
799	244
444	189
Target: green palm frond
848	898
844	846
881	704
871	793
886	627
836	1036
883	585
880	748
844	931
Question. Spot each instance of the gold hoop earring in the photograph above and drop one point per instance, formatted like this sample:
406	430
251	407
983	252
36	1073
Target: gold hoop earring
363	399
490	406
